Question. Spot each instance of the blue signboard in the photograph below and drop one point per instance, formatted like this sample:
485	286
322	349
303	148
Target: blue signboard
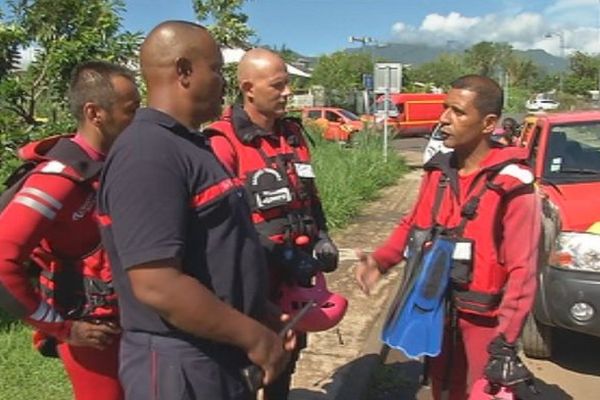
367	80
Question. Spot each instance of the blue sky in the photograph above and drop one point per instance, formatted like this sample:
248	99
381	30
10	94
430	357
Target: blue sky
314	27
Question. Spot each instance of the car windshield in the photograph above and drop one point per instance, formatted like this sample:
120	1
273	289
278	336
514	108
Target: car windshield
350	115
573	153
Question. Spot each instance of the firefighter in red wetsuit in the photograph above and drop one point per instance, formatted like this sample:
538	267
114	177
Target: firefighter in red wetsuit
48	221
492	296
268	153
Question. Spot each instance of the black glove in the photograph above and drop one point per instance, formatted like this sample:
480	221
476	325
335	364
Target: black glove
504	367
299	266
327	253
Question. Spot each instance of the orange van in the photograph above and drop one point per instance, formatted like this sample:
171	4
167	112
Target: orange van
410	113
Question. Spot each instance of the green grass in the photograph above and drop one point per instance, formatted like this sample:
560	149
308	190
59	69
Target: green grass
24	373
346	177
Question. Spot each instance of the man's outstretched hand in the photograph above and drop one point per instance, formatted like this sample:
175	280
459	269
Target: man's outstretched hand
367	271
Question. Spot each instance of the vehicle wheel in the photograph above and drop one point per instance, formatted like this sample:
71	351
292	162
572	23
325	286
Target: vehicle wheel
536	339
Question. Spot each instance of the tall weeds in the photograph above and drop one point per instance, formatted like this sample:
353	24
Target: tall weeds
348	176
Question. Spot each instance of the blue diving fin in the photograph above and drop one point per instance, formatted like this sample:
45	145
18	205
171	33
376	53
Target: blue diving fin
416	327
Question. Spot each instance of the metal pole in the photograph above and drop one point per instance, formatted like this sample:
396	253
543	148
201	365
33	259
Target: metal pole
363	40
598	54
386	112
366	91
505	79
561	37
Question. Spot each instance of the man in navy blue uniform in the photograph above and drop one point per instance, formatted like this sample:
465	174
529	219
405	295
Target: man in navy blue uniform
187	262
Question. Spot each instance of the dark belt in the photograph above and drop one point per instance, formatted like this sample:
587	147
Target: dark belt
476	301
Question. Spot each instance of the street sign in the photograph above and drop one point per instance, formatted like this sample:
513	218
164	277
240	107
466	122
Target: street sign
367	80
388	75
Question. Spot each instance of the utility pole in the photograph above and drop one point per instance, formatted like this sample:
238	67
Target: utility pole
364	40
598	54
388	79
505	85
561	43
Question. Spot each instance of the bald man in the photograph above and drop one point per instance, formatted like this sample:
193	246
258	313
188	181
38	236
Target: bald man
187	263
268	153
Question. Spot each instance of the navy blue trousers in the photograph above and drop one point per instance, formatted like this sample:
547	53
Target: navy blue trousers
163	368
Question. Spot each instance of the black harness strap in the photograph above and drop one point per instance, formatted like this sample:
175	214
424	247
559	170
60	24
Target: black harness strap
439	196
468	212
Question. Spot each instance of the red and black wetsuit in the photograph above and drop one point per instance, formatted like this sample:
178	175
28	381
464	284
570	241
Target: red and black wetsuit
275	168
276	171
505	231
50	221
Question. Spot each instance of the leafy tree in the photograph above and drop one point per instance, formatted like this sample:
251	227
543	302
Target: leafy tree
584	73
10	37
340	74
544	82
521	71
63	33
228	25
582	65
485	57
439	72
288	55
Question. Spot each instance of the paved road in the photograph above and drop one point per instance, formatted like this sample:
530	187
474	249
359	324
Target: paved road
572	373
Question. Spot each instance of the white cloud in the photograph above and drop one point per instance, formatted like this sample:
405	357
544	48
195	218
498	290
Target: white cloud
577	20
452	23
438	29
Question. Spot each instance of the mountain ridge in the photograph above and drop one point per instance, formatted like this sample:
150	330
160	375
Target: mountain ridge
417	54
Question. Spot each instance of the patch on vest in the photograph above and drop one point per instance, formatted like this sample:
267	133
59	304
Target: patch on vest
53	167
518	172
269	189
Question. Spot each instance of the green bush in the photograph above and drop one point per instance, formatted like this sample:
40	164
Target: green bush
347	176
517	97
12	137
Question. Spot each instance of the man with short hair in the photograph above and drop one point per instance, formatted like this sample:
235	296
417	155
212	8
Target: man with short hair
188	266
483	198
270	156
48	218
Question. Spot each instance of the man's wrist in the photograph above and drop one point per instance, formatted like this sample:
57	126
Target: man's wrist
253	330
383	269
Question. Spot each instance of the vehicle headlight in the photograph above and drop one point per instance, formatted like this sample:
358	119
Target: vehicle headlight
577	251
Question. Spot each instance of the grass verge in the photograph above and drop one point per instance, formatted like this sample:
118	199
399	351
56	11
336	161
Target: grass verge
24	373
348	176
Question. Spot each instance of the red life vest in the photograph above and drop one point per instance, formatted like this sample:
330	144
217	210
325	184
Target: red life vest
271	168
481	215
77	287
